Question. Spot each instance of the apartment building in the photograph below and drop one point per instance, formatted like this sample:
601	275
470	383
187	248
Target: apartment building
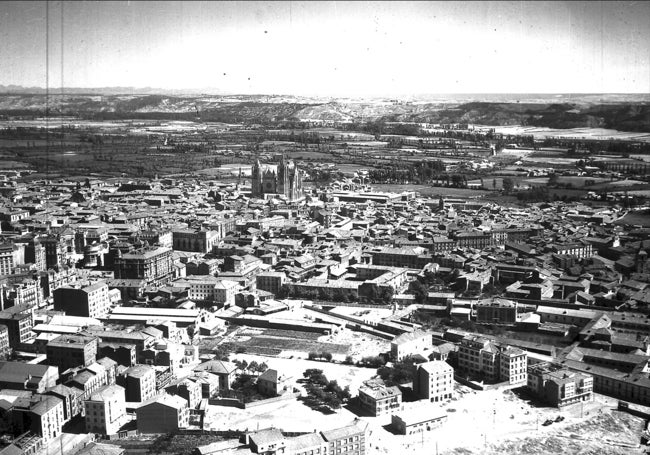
154	265
83	299
270	281
433	381
139	382
197	241
105	410
224	292
409	344
349	440
377	399
19	322
11	255
69	351
482	358
513	364
40	414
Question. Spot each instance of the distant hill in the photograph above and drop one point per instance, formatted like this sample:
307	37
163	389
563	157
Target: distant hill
620	112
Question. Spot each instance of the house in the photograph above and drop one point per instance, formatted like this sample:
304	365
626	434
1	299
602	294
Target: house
272	383
225	371
163	414
269	441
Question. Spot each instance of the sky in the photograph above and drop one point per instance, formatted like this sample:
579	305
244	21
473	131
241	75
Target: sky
329	48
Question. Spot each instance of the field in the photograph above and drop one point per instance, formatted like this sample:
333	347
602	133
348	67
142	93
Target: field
273	342
636	218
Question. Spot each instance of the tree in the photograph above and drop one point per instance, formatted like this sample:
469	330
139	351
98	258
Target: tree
552	179
419	290
508	185
494	184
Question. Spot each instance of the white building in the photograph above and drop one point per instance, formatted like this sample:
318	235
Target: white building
105	410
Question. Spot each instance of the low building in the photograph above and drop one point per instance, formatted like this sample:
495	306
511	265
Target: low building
410	422
349	440
377	399
27	376
559	386
224	371
272	383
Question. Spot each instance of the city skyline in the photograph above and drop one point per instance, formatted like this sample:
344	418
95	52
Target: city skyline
330	48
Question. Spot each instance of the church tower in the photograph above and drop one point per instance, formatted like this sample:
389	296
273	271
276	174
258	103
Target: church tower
256	180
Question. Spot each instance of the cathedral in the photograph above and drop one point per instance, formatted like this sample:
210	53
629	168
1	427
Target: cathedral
283	179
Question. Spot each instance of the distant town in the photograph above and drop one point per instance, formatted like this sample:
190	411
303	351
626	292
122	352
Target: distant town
276	279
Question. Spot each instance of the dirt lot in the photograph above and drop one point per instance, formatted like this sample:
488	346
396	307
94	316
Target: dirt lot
494	422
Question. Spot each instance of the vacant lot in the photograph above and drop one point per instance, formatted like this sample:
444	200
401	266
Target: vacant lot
273	342
494	422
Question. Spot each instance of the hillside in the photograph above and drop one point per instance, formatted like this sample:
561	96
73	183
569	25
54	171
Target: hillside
567	112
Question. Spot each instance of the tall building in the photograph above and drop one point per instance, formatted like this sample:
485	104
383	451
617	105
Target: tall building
83	299
483	358
282	179
19	322
10	256
154	265
105	410
433	381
